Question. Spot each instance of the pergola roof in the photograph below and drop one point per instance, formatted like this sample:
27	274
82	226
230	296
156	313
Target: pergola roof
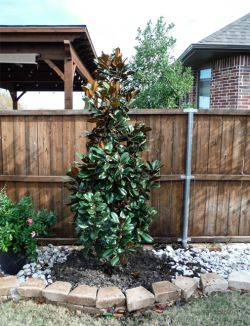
52	46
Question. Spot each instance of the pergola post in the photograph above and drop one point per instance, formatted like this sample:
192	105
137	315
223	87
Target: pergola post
68	84
15	98
68	77
13	95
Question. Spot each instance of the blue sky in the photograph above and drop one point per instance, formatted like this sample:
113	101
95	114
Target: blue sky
113	23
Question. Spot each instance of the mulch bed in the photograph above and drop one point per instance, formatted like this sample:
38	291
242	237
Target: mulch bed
143	268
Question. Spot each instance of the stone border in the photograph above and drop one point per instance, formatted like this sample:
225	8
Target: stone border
91	300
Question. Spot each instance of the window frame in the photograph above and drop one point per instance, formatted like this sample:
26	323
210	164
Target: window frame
198	86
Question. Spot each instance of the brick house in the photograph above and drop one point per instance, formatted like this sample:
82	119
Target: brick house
221	67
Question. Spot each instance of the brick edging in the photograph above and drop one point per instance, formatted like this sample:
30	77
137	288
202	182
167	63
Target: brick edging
90	299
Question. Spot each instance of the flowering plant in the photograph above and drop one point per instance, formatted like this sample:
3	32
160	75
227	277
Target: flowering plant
20	224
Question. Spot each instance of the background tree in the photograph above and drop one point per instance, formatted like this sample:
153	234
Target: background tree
161	79
111	184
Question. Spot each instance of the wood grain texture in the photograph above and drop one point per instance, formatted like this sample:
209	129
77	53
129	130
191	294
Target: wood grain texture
38	147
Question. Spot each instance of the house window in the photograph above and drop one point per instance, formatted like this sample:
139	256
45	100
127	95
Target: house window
204	83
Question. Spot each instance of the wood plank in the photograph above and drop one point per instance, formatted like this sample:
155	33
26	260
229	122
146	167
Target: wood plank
199	213
32	146
227	145
80	136
68	158
8	154
192	210
240	130
35	178
21	190
140	112
176	208
155	139
44	166
222	208
68	143
246	168
44	140
146	120
202	144
194	144
20	153
179	143
56	161
211	208
163	178
56	146
214	177
215	139
205	239
244	224
154	202
234	208
165	204
154	147
52	30
167	126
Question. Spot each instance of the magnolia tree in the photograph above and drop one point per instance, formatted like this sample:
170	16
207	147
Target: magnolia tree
111	184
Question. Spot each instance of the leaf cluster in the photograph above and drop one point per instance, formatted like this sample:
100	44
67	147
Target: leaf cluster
161	79
20	224
111	183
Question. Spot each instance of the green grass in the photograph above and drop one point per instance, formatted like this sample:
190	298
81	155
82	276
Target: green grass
232	308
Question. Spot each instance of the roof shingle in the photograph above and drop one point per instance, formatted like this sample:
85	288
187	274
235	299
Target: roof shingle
236	33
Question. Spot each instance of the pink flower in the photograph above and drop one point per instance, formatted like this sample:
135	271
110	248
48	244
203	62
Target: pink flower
33	234
29	221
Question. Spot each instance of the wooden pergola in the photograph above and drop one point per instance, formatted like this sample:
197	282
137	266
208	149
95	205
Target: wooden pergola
45	58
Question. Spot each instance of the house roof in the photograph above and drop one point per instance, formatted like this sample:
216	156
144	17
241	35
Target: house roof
231	39
50	43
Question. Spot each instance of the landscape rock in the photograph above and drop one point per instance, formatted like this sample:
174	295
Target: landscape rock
165	291
212	282
187	285
32	288
83	295
57	291
239	280
195	260
7	283
138	298
109	297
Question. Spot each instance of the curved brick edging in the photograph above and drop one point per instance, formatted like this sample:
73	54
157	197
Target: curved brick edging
91	300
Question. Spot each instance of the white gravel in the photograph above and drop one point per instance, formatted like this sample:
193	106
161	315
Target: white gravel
47	257
196	260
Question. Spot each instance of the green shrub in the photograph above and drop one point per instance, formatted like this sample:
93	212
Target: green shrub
20	224
111	184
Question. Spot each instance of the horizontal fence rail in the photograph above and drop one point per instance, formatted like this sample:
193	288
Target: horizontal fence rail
38	147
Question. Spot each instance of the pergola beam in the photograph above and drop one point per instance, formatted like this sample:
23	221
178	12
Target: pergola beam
15	98
80	67
53	66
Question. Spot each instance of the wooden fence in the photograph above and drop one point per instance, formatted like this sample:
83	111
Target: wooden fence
37	148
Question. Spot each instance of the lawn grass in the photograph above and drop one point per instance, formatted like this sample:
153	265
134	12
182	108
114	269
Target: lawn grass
228	309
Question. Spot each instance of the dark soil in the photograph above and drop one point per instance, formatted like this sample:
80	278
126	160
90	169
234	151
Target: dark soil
143	268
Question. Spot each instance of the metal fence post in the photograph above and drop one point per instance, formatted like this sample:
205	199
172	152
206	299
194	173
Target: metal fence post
187	177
